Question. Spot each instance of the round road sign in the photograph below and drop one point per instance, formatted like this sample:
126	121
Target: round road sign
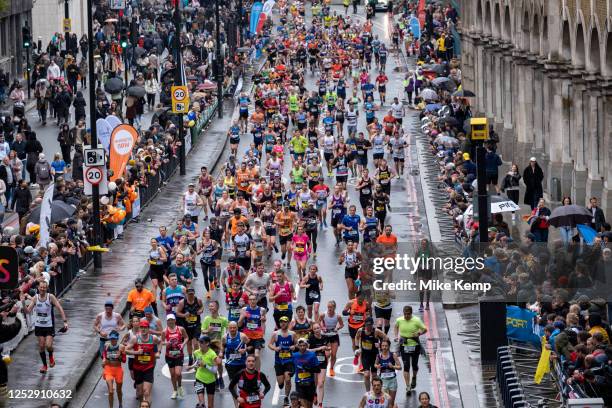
93	175
179	94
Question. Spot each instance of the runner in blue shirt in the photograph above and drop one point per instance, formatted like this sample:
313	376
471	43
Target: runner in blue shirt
350	225
306	366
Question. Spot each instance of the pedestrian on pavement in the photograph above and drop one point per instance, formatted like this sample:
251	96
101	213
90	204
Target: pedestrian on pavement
566	231
511	186
539	221
7	176
599	219
83	72
77	163
22	199
66	141
72	74
44	172
42	94
492	163
151	88
533	177
33	149
79	107
84	46
63	100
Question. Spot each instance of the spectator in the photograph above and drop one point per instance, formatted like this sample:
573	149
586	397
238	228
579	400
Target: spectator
65	139
6	175
58	165
79	107
598	215
511	186
4	147
22	199
44	172
492	163
539	221
33	149
533	177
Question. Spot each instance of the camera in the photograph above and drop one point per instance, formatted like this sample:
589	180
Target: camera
94	157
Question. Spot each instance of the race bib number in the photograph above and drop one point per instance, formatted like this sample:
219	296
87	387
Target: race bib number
144	359
234	356
409	349
198	386
358	318
252	326
299	250
365	191
313	295
174	353
252	398
191	319
321	358
366	345
388	374
282	306
303	375
284	354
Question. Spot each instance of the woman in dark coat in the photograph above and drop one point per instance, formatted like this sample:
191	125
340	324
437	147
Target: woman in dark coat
33	149
22	199
533	177
79	106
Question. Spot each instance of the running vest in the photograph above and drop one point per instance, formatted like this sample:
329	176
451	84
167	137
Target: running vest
284	342
330	323
174	340
372	401
44	312
145	361
173	297
357	315
232	347
252	324
385	370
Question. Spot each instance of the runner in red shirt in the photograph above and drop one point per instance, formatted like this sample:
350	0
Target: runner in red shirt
381	81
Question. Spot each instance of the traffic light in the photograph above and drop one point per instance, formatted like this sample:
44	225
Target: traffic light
26	36
123	37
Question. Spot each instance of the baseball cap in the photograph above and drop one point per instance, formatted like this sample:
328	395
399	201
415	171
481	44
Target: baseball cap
533	159
144	323
190	290
204	338
232	260
284	319
113	335
170	317
466	156
302	341
28	250
148	309
108	302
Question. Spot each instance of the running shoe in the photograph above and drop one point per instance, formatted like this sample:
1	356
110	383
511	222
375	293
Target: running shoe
181	391
413	383
221	383
43	369
51	361
421	308
286	401
332	373
208	296
356	360
173	395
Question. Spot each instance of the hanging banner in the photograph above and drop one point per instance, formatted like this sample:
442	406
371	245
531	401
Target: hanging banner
9	268
255	12
123	139
45	216
415	27
421	12
104	130
266	12
519	325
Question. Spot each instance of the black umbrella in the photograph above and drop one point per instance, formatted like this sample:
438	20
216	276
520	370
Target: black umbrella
137	91
449	120
445	83
437	68
59	211
464	93
139	52
569	215
113	85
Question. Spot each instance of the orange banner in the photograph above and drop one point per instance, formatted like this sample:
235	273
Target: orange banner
421	13
122	142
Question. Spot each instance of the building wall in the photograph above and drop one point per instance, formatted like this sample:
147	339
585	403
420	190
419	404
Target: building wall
48	16
542	70
12	56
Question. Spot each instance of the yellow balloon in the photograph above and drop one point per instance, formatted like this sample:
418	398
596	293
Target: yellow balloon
191	123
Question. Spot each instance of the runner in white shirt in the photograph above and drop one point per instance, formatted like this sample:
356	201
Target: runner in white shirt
398	110
398	145
192	203
376	398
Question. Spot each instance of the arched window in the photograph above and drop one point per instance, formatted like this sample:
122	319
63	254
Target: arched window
608	66
507	25
566	42
594	63
487	20
580	46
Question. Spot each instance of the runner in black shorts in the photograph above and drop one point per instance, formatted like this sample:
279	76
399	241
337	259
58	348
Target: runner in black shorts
367	339
188	312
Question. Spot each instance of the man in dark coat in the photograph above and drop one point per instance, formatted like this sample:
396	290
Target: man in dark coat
533	177
598	215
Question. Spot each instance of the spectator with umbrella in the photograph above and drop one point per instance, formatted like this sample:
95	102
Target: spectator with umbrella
566	231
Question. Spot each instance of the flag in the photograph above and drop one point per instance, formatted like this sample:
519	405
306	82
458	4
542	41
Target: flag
255	12
123	139
266	12
543	364
421	12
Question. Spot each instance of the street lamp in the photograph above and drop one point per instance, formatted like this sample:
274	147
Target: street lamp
26	37
66	27
219	62
95	190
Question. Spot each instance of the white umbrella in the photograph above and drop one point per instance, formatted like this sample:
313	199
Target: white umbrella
429	94
504	206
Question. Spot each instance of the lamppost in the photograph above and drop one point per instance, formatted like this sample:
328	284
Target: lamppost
219	61
95	190
67	18
178	80
26	37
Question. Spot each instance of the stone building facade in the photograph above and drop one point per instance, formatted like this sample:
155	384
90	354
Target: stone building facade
48	16
12	19
542	71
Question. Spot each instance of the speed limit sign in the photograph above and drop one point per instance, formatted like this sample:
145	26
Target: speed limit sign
93	175
180	99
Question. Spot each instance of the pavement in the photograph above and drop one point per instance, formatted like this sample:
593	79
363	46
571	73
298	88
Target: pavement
77	369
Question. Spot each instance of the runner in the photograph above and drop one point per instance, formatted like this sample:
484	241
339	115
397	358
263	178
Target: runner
250	382
173	294
234	350
368	339
301	248
158	265
319	345
285	220
174	338
258	284
331	323
283	342
209	249
376	398
205	184
188	312
145	348
386	364
252	320
113	355
206	363
306	366
352	260
282	295
313	283
192	203
43	304
357	310
106	322
133	331
407	330
214	327
301	325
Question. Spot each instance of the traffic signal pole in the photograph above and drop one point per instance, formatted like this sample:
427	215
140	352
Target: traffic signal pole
27	44
219	61
95	190
178	80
